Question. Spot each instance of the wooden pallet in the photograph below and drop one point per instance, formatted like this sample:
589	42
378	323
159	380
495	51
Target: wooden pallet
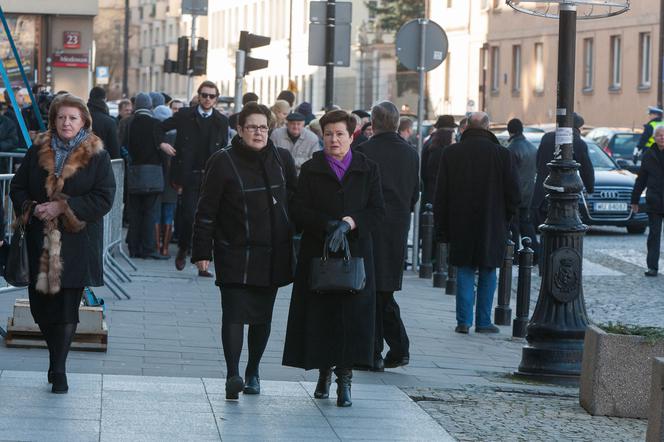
22	337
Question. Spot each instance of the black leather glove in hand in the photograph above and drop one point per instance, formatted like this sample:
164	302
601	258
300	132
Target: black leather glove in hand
337	236
331	226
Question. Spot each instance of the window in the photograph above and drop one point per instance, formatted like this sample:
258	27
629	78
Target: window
615	68
644	60
588	63
539	68
495	69
516	68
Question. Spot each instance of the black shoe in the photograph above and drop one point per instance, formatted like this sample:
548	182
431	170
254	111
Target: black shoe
252	386
344	377
323	385
181	259
60	383
487	329
461	328
205	274
391	362
651	272
49	376
234	386
378	365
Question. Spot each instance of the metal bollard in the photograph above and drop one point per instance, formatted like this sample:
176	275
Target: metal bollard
451	283
523	289
503	313
426	220
440	268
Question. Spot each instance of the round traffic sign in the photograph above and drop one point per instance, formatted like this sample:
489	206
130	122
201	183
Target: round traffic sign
408	44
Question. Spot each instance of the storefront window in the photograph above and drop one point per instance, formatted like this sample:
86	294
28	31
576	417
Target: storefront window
25	30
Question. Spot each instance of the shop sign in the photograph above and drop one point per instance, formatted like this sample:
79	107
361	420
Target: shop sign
72	40
70	60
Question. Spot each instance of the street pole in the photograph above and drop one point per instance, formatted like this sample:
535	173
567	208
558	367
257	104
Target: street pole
329	54
125	63
239	75
190	77
557	328
421	71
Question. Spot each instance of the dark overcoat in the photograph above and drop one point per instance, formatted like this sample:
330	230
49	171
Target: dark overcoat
243	216
327	330
105	127
399	177
90	185
477	195
189	138
651	178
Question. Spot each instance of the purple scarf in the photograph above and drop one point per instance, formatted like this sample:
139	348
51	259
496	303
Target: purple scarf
340	167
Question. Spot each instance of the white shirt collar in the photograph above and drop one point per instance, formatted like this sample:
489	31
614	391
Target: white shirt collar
203	113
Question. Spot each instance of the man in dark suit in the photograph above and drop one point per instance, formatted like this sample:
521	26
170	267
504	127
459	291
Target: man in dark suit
398	163
201	131
477	194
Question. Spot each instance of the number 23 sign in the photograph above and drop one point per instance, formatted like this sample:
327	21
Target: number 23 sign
72	40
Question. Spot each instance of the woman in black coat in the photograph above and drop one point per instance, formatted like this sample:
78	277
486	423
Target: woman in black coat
63	189
243	217
338	193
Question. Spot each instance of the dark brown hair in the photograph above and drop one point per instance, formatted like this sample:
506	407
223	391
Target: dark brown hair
338	116
68	100
208	83
253	108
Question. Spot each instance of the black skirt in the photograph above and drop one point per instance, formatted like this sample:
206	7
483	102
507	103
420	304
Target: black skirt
247	304
61	308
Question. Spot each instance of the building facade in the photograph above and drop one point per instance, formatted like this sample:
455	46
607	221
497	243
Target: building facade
505	62
55	41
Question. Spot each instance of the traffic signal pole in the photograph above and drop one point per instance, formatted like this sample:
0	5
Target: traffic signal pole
329	54
190	78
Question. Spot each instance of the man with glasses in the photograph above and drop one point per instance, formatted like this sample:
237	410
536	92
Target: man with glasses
201	131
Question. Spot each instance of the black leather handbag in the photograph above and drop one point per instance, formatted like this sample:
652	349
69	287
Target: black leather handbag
345	275
145	178
17	269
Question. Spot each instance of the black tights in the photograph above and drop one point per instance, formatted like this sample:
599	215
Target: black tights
232	336
58	339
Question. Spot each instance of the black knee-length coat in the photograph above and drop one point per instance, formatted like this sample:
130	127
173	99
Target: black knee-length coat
333	330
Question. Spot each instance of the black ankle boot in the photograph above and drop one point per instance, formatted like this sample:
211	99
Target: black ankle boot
50	376
344	376
59	383
252	384
323	385
234	386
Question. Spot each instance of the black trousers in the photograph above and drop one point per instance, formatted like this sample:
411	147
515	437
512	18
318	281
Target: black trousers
188	203
141	212
523	226
654	239
389	327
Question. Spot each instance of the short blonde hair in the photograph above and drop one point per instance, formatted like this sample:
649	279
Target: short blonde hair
68	100
281	106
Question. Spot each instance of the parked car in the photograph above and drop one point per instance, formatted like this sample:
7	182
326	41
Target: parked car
618	143
609	204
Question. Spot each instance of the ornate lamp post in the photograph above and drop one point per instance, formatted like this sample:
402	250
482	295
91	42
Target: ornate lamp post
557	328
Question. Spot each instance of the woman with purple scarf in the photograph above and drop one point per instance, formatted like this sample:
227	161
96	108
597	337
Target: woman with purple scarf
338	194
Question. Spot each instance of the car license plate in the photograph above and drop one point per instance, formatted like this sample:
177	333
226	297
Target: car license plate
611	207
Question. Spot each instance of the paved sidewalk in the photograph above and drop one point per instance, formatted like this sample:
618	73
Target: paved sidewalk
124	408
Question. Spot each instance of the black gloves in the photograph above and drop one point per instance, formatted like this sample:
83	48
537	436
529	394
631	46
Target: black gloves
331	226
336	237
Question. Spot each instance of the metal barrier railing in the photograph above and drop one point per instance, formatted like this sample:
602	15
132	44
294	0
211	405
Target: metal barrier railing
8	160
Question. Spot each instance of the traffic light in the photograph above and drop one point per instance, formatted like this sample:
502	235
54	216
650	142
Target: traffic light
249	41
170	66
198	59
183	55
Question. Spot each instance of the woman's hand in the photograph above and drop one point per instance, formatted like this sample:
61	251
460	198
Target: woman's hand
49	211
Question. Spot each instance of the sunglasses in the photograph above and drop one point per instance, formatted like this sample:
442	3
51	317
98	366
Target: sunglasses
210	96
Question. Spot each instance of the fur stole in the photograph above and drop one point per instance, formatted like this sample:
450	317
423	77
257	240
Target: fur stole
50	262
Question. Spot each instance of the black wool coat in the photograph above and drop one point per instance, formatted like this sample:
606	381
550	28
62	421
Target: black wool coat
327	330
399	177
651	178
189	138
91	189
477	195
105	127
243	216
440	139
142	139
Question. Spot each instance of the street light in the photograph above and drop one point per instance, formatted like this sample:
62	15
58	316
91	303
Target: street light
557	328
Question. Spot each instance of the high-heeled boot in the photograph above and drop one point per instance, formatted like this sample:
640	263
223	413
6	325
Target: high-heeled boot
344	376
323	385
